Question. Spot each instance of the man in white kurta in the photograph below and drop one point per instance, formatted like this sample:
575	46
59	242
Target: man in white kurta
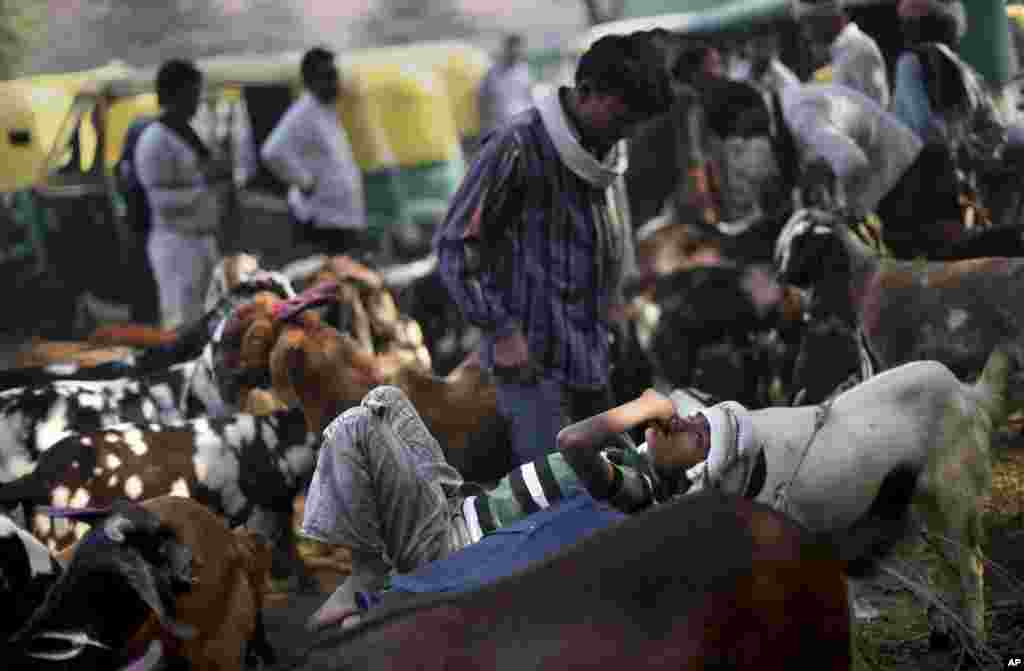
855	57
172	164
309	151
868	149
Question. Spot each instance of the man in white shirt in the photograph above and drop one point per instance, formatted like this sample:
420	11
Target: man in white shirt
867	148
507	89
877	161
175	168
309	150
855	57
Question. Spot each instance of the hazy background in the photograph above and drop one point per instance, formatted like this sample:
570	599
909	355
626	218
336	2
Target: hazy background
39	36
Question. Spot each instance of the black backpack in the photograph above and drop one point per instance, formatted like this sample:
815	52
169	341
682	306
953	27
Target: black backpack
137	206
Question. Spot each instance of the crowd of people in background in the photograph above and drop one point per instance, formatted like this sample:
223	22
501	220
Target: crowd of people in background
537	243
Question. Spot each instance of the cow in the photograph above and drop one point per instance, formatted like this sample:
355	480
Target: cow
161	580
949	311
704	582
27	572
247	468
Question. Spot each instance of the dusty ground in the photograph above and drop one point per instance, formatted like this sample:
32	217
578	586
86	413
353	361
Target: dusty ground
898	641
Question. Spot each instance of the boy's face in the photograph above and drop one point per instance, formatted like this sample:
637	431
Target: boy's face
674	451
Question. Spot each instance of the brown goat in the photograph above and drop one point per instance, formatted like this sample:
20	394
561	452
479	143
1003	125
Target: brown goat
223	606
377	323
231	570
39	353
326	372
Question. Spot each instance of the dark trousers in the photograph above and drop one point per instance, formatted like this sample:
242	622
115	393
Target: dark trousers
537	409
921	214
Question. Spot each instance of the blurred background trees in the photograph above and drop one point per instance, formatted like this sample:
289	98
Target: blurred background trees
89	33
22	31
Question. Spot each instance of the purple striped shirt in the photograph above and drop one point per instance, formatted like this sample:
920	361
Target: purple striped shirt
528	243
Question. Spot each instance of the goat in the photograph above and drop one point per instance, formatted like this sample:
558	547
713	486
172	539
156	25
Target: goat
166	574
952	312
326	372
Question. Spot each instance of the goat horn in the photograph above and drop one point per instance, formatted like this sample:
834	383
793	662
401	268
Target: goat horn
116	526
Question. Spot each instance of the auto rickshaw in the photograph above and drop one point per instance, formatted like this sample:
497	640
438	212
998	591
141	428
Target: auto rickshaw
407	110
32	110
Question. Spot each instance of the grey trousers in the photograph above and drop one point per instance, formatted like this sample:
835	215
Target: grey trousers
382	487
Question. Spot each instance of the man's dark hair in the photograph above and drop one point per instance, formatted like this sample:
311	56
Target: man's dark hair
312	60
513	40
935	26
629	66
690	61
173	76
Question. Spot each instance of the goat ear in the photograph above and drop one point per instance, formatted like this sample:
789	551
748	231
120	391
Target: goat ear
257	343
141	577
282	362
118	556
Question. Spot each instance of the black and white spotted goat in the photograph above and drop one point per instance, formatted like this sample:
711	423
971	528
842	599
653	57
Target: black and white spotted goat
165	386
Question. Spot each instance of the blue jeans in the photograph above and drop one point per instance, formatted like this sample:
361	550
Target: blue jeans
538	411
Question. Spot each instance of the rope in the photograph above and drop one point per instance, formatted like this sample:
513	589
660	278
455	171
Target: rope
782	491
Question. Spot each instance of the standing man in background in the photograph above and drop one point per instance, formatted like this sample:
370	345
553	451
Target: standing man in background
506	90
855	57
309	151
180	181
535	248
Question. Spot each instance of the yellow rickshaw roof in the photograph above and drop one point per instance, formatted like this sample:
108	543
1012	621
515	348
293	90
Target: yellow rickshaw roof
460	58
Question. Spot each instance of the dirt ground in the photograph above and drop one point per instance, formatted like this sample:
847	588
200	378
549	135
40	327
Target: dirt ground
897	641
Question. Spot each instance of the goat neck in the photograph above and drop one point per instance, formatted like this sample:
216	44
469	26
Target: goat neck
453	407
848	271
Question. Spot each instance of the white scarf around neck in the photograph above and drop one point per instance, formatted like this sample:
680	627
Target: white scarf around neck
580	161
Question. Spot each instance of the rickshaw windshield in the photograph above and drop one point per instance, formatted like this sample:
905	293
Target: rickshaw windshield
74	150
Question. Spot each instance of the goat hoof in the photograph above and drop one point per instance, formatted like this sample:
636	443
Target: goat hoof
864	611
940	640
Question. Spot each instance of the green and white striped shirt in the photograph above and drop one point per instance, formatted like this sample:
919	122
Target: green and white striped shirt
543	482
